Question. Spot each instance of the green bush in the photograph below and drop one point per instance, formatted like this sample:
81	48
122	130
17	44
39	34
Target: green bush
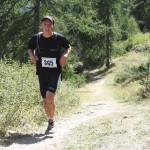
67	99
132	74
138	42
129	74
144	93
20	99
140	38
68	73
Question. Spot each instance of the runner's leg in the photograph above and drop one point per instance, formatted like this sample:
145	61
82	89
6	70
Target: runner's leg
49	105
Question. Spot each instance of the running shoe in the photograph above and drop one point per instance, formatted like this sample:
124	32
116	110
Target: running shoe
50	128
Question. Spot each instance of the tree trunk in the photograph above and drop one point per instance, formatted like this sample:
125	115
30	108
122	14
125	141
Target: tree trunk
107	49
36	15
108	42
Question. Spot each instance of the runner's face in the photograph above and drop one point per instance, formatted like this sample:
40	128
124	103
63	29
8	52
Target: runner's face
47	26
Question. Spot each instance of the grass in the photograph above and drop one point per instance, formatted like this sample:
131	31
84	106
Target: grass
140	38
129	74
89	136
127	128
21	105
138	42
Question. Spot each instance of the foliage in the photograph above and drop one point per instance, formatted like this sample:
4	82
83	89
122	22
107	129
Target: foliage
139	38
69	74
141	11
91	27
134	78
72	72
15	28
67	99
119	24
144	93
130	74
140	73
20	99
85	30
81	25
138	42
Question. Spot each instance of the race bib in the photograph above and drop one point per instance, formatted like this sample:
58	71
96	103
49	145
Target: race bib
48	62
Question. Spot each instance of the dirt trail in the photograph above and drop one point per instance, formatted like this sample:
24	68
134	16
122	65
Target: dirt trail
103	105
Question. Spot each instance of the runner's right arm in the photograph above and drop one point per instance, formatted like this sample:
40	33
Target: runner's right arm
31	49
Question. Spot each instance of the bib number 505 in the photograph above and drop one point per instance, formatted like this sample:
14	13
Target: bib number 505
48	62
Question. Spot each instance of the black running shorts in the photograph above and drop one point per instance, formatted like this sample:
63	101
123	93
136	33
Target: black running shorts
49	82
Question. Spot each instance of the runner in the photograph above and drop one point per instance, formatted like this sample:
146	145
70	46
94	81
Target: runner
49	51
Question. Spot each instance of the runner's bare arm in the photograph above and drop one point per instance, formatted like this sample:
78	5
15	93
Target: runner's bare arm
32	56
66	53
63	58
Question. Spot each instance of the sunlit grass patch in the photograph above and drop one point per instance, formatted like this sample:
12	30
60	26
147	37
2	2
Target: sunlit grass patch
140	38
127	128
128	78
128	92
88	136
138	42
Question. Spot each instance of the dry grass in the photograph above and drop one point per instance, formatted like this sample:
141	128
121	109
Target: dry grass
126	129
126	91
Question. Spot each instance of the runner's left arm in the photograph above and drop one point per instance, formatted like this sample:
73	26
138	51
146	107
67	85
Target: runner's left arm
64	56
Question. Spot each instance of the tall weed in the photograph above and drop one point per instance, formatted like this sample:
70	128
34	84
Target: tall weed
20	99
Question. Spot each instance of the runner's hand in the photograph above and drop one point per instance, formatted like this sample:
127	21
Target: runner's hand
34	59
63	60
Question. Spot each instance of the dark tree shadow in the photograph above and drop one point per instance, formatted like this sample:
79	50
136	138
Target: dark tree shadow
98	75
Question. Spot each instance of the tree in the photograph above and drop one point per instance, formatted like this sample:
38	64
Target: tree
141	11
81	26
115	15
91	26
36	15
20	19
105	10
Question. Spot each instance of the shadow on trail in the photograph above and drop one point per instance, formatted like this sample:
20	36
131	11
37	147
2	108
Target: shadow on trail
26	139
98	74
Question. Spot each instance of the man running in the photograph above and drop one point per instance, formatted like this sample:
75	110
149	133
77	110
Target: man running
45	50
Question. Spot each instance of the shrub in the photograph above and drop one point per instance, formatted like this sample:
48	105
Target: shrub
144	93
131	75
67	99
68	73
20	99
138	42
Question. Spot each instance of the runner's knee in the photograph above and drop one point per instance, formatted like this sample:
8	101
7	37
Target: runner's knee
49	97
